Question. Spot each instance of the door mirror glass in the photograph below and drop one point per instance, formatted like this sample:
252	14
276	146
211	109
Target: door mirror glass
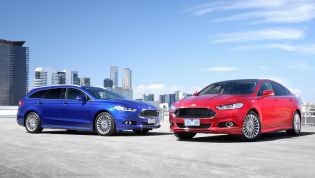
268	93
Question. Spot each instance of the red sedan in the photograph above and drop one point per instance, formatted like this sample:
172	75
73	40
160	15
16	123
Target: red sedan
238	107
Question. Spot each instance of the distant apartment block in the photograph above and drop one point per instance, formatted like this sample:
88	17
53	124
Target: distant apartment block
84	81
58	78
14	66
148	97
108	83
46	76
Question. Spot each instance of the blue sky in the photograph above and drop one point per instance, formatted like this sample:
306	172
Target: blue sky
170	45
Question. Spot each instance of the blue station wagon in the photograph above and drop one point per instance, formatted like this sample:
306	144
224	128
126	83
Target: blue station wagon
74	107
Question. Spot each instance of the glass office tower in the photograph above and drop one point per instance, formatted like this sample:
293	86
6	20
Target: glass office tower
13	72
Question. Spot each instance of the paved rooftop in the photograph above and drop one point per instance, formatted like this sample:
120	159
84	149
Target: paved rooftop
56	153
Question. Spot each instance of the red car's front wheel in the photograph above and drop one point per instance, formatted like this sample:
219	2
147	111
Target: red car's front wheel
251	126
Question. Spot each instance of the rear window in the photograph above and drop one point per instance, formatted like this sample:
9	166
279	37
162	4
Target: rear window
54	93
38	94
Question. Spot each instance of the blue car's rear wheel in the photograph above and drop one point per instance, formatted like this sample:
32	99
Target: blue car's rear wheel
105	124
32	123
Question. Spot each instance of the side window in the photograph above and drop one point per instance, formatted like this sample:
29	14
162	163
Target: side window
73	93
38	94
287	91
54	93
263	87
278	89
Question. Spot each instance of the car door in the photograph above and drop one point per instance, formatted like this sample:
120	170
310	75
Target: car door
282	109
268	105
76	113
50	107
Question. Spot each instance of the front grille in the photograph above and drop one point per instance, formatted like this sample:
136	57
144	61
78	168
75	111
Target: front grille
194	113
202	126
149	113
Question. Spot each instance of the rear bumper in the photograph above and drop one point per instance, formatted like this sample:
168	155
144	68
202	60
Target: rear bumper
212	125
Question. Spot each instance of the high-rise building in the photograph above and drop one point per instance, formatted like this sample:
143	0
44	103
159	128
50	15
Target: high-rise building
72	77
108	83
114	75
84	81
148	97
167	98
127	78
58	78
41	77
13	72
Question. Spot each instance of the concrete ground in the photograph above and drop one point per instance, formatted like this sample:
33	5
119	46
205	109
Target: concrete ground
56	153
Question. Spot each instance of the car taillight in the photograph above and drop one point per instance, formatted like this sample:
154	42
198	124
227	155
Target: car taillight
21	103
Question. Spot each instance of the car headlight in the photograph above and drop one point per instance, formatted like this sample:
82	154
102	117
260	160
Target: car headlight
122	108
173	108
230	106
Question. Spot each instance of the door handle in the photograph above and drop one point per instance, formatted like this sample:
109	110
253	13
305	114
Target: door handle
39	102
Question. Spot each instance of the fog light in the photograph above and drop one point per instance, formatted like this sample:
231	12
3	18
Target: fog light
130	122
229	124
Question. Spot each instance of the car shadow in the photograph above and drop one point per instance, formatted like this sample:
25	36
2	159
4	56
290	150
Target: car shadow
121	133
237	139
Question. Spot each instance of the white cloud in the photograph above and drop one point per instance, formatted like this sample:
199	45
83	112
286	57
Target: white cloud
266	34
275	11
301	48
221	69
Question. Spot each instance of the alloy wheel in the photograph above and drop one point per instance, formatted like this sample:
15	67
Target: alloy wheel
251	127
32	122
103	124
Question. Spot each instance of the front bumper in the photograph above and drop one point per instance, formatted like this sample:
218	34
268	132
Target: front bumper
122	119
212	125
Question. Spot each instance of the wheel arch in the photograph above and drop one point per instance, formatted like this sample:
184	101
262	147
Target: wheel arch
299	112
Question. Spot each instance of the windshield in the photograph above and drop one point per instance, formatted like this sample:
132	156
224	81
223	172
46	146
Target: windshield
240	87
103	94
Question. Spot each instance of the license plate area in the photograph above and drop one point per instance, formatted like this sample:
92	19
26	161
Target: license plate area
192	122
151	120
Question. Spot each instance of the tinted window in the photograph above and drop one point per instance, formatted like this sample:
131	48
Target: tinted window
263	87
38	94
100	93
73	93
286	91
54	94
278	89
239	87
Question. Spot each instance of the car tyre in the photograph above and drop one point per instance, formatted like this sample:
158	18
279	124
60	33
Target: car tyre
296	125
185	135
104	124
33	123
251	126
141	131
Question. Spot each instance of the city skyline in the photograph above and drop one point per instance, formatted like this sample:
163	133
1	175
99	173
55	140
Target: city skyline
188	46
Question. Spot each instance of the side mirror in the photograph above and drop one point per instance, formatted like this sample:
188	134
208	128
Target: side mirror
196	94
268	93
81	98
